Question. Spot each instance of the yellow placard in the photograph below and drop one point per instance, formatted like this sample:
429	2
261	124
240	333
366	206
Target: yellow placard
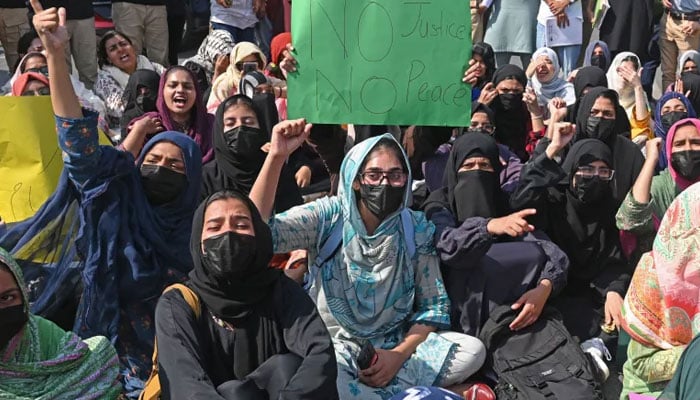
30	160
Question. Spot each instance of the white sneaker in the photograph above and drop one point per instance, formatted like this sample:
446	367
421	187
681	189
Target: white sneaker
599	353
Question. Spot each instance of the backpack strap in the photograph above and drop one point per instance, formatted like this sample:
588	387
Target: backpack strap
328	249
151	389
409	232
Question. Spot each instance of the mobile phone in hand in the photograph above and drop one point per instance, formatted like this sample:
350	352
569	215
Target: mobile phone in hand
367	357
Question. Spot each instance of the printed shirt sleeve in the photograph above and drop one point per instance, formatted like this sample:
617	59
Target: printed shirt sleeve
111	93
78	139
432	306
635	217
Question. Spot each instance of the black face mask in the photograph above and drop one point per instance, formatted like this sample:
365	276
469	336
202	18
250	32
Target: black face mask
246	142
382	200
511	101
686	163
474	194
600	128
229	256
600	62
146	102
162	185
668	119
592	190
13	319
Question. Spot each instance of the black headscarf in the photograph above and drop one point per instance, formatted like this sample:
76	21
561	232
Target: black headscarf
247	304
627	157
141	78
231	301
691	82
511	125
589	236
622	123
483	108
486	52
231	171
586	77
490	202
426	141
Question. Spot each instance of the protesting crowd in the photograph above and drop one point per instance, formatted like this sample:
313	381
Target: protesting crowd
221	249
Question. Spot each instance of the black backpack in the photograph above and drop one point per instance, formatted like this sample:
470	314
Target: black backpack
541	361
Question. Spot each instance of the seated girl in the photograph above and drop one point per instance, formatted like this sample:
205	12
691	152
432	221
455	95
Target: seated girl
41	360
378	284
115	231
661	308
258	335
226	84
477	240
180	108
117	60
647	202
624	77
576	208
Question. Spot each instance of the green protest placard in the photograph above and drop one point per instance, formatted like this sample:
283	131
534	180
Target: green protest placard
397	62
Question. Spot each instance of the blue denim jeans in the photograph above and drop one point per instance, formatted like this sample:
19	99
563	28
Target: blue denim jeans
568	55
239	35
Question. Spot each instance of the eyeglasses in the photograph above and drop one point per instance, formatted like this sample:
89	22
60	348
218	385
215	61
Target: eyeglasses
587	171
40	70
395	178
39	92
477	127
510	91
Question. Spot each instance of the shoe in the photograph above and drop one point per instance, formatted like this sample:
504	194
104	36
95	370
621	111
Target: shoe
479	391
596	349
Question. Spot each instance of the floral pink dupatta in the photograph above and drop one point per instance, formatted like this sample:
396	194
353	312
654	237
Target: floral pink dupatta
662	306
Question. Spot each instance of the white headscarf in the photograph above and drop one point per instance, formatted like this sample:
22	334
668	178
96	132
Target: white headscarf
616	83
556	87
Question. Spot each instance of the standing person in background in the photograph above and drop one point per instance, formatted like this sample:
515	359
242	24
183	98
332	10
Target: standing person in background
628	27
13	24
81	29
238	17
478	10
176	27
146	23
511	30
568	13
680	31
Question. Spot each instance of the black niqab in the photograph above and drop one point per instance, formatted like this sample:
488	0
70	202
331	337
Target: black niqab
141	78
589	236
231	171
586	77
691	83
490	202
511	125
627	157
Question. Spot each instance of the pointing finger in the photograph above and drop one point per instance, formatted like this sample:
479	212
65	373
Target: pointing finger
36	6
61	16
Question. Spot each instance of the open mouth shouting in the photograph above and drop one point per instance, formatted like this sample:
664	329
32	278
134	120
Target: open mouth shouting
180	101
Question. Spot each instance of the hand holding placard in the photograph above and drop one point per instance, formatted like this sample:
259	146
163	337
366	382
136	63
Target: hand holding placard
380	62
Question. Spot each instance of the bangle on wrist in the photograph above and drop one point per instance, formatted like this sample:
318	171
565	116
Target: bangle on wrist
533	116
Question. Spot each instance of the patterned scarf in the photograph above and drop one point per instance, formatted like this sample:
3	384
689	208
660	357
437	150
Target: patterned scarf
44	362
662	306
